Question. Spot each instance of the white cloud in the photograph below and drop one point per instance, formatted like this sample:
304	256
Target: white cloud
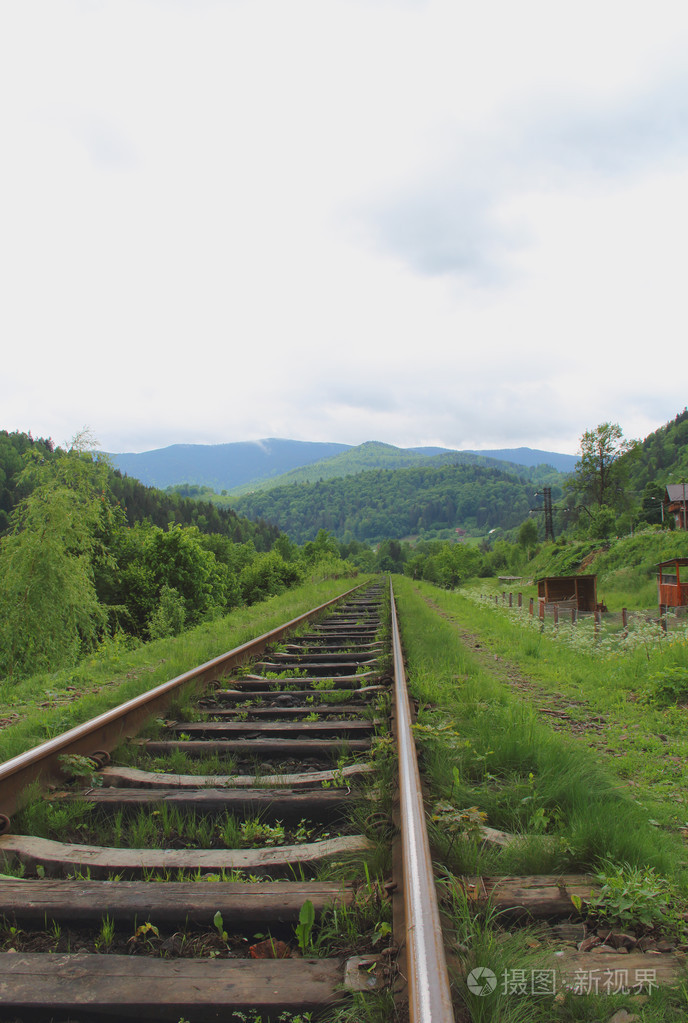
418	222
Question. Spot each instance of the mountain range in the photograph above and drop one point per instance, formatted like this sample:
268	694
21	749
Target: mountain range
244	466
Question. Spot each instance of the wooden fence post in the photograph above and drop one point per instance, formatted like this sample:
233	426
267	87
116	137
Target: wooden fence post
520	600
511	600
530	606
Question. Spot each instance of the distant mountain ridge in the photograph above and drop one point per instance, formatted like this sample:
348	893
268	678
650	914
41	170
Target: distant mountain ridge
531	457
244	465
375	455
221	466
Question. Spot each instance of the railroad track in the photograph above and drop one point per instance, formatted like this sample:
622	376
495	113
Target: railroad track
230	862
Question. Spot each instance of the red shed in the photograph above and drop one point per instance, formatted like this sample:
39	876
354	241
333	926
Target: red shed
670	590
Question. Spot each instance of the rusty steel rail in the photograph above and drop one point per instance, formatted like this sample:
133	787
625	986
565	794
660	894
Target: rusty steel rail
104	732
428	978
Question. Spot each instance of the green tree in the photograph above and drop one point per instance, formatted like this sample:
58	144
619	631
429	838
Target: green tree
600	475
415	565
286	549
151	561
267	575
359	554
324	546
178	560
49	609
651	503
528	534
390	556
504	557
169	616
602	524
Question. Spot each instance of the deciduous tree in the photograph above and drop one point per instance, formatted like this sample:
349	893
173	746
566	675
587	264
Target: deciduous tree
528	534
49	609
600	474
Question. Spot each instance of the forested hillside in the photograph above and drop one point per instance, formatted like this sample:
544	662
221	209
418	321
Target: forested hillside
138	502
88	556
661	459
371	506
164	507
13	448
364	457
374	455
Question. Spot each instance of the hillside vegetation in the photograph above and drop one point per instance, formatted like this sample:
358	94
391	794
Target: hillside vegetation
137	502
607	519
374	455
88	557
365	457
79	566
661	459
371	506
626	567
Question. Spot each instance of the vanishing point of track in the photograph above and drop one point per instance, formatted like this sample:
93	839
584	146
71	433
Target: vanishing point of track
320	697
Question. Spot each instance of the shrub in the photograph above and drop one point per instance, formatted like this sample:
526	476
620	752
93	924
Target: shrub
665	687
169	616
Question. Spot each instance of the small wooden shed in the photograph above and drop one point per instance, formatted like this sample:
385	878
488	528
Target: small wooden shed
671	592
572	592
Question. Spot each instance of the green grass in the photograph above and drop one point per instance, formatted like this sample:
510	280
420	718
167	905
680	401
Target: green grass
167	826
643	742
176	762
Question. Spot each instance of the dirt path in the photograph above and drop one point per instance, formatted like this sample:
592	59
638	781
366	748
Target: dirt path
562	713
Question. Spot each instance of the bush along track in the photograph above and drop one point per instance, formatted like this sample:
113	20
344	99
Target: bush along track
563	900
250	828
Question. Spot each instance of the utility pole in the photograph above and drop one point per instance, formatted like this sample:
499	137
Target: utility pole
547	507
549	526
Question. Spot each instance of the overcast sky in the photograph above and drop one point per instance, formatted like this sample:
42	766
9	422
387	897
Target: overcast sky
413	221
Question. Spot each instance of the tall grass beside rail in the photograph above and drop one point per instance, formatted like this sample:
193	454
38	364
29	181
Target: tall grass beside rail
488	758
47	704
627	684
528	779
